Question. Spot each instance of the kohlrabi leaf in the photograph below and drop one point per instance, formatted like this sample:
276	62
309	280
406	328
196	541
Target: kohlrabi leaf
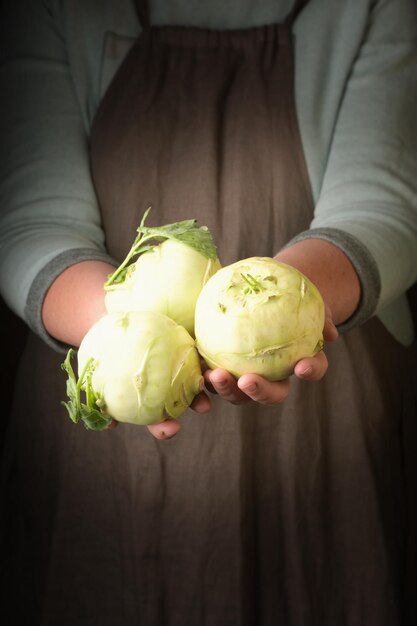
72	405
89	412
187	231
93	419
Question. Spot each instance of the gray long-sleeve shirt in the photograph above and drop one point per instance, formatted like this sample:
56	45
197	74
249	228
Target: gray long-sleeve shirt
356	98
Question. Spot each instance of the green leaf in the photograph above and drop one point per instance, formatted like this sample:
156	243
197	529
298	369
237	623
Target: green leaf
93	419
72	389
186	231
92	411
72	410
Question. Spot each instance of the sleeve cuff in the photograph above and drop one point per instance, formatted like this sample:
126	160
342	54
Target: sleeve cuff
45	278
364	264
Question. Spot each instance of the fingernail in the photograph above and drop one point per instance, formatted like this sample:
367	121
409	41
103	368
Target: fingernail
307	371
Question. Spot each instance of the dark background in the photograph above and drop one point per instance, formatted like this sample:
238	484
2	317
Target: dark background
12	339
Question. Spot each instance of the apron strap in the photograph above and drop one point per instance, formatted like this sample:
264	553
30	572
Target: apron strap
142	9
293	14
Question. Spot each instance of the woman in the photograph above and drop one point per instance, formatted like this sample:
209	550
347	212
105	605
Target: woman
287	129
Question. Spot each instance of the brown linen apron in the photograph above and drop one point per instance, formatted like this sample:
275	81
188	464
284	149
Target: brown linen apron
202	124
298	515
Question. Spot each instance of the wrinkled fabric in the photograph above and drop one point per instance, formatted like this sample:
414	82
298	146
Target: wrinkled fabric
301	515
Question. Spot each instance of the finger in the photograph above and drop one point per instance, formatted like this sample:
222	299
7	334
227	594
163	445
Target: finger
225	385
165	430
262	390
201	403
312	368
112	425
330	332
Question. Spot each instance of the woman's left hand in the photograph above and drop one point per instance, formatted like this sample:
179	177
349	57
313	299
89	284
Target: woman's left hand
252	387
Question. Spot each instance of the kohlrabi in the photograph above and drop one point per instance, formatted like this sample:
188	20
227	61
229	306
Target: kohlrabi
259	316
174	262
138	367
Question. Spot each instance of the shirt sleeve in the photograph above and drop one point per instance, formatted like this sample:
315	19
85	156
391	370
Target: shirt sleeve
49	217
367	203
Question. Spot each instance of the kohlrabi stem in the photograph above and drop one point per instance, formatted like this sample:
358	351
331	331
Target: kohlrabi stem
254	284
132	252
186	231
137	248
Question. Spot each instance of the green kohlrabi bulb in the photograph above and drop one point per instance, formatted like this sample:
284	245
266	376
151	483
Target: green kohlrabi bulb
259	316
167	278
136	367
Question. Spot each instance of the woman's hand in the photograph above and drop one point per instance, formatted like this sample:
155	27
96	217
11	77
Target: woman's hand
254	387
251	387
335	277
169	427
